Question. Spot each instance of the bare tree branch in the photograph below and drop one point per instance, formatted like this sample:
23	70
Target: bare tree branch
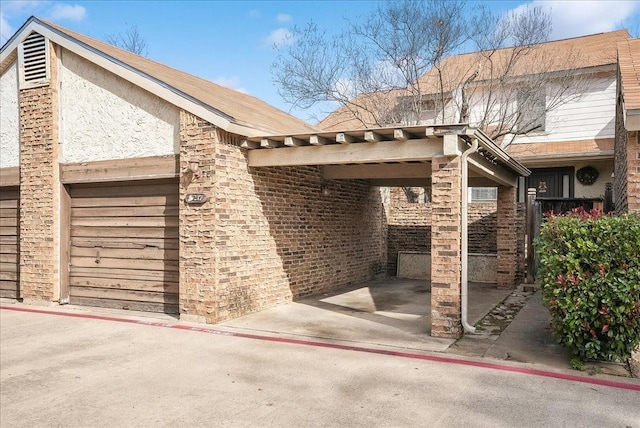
130	40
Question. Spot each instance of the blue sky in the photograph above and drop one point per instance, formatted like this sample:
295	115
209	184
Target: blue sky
231	42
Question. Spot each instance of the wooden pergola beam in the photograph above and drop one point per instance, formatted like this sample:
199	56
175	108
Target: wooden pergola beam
377	171
496	173
339	154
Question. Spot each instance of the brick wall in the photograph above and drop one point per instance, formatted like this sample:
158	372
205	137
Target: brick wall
39	191
627	172
620	160
633	173
410	227
507	237
269	235
410	230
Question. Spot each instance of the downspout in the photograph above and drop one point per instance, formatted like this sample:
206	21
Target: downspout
464	231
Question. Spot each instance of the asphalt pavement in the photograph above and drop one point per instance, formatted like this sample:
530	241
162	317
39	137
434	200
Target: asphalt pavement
75	369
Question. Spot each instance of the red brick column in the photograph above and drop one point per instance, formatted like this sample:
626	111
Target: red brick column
40	191
445	247
507	237
197	222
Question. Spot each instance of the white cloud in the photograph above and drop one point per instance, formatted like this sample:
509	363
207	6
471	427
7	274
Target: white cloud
278	37
21	6
232	82
6	30
572	19
68	12
283	17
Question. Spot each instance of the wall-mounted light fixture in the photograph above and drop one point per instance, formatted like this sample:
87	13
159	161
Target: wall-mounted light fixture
194	168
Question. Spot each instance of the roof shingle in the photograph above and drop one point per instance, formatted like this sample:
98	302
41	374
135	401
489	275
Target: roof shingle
238	107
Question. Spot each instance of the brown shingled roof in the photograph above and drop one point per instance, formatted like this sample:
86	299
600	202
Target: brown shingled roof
237	107
629	63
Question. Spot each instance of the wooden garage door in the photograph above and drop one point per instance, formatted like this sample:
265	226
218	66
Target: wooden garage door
9	240
124	246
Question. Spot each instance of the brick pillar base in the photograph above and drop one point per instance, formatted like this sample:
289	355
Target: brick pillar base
446	247
507	237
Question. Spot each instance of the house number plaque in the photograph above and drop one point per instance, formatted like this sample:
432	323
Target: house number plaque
196	198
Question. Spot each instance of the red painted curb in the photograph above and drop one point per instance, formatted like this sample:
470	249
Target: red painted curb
449	360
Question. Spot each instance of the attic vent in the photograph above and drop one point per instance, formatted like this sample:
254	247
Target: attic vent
34	61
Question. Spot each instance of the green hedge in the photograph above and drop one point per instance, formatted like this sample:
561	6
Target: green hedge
589	272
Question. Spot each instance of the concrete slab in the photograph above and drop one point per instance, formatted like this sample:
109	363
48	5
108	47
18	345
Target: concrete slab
528	338
390	312
78	372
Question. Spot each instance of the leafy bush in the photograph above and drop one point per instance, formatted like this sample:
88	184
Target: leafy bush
590	277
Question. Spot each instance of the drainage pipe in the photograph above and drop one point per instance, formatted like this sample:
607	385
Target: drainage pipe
464	231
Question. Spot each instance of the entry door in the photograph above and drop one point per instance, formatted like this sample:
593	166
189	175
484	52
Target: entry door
552	182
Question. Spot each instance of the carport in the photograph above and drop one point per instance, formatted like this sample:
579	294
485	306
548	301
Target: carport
449	158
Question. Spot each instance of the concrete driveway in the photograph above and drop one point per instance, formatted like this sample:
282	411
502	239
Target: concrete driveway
390	312
71	368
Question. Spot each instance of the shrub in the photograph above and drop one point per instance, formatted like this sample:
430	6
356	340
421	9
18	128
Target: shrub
590	278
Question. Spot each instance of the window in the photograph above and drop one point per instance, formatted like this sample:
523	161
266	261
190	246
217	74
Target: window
483	194
532	106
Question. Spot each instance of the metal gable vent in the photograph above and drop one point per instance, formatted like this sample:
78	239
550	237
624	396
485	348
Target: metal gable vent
34	61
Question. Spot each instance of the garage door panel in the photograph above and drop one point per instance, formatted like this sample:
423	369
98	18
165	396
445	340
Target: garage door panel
106	262
8	202
9	231
144	275
8	271
155	286
169	308
124	247
122	211
9	239
100	222
7	248
124	294
8	221
125	243
149	253
136	190
124	232
8	259
132	201
7	288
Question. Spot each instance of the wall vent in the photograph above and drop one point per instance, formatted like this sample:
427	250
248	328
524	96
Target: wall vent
33	57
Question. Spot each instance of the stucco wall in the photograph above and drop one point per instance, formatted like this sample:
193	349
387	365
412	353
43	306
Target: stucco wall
105	117
9	118
595	190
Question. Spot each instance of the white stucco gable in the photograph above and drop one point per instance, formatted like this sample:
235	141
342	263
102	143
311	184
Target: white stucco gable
9	118
103	116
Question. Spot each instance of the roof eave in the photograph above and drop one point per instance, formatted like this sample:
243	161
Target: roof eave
127	72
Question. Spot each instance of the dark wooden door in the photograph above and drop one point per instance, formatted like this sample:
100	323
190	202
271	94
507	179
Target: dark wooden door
550	182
